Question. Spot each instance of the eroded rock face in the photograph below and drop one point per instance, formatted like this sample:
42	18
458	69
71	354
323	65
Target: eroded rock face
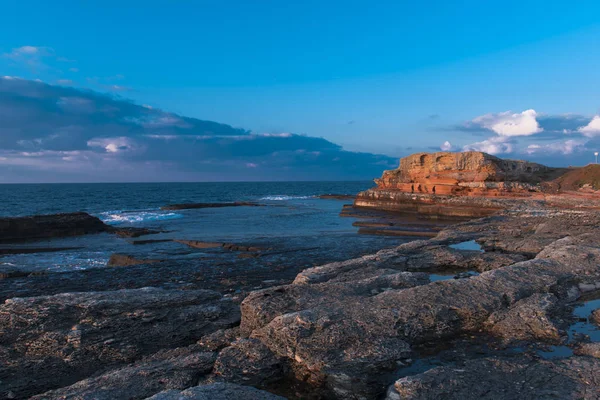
52	341
516	378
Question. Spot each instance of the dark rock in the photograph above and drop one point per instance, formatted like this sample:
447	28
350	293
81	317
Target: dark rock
55	341
49	226
33	250
150	241
596	316
168	369
124	260
132	232
337	196
189	206
519	378
217	391
211	245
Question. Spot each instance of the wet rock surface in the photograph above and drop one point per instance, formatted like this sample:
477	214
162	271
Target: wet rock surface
381	325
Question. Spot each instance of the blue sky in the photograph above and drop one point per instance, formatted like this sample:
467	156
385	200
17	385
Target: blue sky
519	79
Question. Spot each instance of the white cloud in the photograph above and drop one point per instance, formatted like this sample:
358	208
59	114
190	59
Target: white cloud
113	145
565	147
494	145
446	146
592	129
509	124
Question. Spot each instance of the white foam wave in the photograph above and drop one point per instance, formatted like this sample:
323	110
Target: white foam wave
283	197
132	217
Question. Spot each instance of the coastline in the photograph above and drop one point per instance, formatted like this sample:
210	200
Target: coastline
336	331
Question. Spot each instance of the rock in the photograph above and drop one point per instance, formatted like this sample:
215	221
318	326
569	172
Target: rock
33	250
132	232
596	316
250	362
124	260
17	229
169	369
217	391
189	206
55	341
527	320
337	196
211	245
517	378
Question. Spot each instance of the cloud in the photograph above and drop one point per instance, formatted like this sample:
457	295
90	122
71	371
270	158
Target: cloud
592	129
447	146
59	133
509	124
494	145
564	147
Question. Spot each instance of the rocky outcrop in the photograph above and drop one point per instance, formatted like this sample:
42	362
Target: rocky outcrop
466	173
53	341
49	226
467	184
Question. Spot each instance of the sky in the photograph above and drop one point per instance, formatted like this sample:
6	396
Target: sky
301	90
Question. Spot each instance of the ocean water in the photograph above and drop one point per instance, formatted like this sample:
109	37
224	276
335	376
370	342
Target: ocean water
294	223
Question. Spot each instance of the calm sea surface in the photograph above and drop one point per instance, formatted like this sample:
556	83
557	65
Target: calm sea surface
294	223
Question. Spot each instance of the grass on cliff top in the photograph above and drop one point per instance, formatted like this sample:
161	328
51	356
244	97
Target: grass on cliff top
576	178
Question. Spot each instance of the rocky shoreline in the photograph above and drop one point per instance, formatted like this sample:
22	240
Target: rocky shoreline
498	299
401	323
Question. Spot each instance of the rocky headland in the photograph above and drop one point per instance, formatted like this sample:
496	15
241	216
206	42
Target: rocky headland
500	306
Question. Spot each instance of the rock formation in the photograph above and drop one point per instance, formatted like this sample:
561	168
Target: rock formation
468	173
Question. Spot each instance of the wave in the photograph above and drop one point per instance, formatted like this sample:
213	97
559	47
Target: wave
132	217
283	197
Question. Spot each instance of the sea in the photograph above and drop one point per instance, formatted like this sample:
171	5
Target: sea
295	227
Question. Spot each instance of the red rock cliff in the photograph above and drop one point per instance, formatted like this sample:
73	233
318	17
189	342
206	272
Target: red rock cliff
469	173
